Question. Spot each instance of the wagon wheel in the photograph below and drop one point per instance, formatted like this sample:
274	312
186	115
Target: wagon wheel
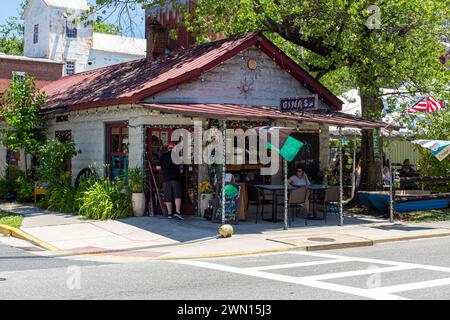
84	174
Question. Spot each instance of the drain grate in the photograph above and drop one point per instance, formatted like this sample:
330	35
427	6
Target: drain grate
322	239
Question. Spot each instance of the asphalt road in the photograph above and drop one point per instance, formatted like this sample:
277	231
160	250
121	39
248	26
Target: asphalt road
418	269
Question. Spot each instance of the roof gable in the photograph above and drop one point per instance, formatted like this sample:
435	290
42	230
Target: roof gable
133	81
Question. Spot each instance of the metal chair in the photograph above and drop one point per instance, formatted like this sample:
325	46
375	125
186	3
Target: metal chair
297	201
331	197
256	198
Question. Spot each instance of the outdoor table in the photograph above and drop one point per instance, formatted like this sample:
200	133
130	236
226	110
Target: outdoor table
315	190
274	188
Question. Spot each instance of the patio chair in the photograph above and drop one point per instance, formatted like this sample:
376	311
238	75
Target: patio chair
297	201
256	198
330	198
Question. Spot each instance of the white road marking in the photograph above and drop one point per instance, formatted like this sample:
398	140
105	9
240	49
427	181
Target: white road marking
375	261
355	273
415	285
378	295
297	265
385	293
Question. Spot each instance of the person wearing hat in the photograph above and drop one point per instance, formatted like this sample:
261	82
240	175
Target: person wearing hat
171	182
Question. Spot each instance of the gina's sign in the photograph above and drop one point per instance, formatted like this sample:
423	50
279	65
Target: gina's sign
299	103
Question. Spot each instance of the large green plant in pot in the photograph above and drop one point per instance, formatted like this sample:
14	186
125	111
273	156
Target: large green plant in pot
136	182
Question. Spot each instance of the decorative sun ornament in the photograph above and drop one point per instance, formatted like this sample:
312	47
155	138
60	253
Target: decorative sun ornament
252	64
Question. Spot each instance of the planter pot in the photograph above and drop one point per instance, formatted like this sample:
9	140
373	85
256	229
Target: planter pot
204	202
138	204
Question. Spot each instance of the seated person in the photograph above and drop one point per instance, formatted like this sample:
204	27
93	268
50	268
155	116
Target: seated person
408	171
386	176
300	179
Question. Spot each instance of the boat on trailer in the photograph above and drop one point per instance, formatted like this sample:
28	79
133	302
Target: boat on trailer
405	200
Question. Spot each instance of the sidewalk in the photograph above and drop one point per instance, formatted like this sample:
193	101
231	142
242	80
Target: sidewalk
161	238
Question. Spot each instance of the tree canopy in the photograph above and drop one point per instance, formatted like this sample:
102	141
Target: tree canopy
346	44
11	37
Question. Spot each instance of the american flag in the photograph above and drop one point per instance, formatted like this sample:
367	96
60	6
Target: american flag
429	104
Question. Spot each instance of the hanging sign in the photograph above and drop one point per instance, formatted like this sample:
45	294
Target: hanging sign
299	103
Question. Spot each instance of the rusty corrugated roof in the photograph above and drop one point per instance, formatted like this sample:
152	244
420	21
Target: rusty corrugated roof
271	113
133	81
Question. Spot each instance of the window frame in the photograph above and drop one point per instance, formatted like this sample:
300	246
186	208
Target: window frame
66	68
71	33
36	34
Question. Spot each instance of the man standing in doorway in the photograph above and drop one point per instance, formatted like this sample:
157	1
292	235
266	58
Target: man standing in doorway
172	182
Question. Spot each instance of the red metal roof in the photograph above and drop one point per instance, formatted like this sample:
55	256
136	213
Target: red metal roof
272	113
133	81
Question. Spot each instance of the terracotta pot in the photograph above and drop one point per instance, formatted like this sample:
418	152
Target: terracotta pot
138	204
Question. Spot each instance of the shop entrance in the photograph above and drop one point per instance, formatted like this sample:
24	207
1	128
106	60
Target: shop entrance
156	139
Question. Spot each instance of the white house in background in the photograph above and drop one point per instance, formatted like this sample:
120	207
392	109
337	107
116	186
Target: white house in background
54	30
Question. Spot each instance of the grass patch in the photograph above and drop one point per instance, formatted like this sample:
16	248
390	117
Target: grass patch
11	219
429	215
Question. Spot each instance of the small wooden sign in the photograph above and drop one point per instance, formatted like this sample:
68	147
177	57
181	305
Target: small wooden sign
299	103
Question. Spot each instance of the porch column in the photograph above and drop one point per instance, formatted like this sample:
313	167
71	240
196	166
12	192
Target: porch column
391	183
341	185
224	166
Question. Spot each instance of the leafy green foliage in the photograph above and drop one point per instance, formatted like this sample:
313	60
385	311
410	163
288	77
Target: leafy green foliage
11	219
11	37
104	200
338	42
53	157
136	180
16	184
60	199
21	104
108	28
434	126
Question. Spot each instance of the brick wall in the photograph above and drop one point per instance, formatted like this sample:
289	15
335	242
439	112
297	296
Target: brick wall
44	72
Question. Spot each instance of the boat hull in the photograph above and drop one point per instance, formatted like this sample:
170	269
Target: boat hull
380	201
422	205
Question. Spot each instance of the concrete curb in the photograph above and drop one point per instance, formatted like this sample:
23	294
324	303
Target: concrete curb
14	232
17	233
406	238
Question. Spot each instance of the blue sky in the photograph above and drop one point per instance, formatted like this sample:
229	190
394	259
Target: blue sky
11	8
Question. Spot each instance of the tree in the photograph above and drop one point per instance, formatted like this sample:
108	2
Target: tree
21	103
344	44
11	37
107	28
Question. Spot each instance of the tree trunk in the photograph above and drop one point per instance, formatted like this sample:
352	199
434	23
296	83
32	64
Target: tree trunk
371	145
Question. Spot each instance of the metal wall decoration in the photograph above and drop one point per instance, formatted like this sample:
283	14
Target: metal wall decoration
251	70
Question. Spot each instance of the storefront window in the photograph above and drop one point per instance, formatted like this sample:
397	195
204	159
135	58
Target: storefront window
117	153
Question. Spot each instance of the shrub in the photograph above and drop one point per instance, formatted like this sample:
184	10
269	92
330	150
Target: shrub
25	189
60	199
16	185
53	157
105	200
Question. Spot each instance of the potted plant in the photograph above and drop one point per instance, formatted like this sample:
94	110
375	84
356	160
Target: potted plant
136	180
206	193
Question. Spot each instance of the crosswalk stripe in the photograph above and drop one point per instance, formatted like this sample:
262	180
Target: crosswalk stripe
297	265
378	295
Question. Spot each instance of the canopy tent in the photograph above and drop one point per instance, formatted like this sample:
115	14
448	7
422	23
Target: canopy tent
439	148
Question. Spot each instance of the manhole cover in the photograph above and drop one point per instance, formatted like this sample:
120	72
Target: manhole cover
322	239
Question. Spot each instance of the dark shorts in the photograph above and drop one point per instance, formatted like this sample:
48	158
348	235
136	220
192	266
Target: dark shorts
172	189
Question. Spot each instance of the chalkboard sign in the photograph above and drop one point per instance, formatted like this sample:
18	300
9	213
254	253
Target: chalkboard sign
231	206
